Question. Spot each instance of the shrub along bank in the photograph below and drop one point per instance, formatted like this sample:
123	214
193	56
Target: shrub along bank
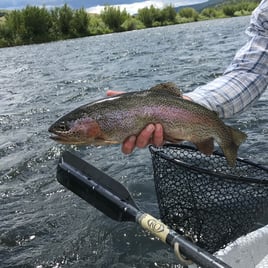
37	25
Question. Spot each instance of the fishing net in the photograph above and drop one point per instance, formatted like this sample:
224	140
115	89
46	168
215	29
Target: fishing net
205	199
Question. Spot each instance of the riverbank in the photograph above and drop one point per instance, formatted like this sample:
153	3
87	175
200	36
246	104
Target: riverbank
39	25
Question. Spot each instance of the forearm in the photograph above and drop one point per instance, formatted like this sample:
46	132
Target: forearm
231	93
247	76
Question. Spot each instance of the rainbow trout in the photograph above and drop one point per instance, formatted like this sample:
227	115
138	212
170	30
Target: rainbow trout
111	120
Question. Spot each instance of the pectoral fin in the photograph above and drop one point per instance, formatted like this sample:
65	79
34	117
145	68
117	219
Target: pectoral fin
104	142
172	139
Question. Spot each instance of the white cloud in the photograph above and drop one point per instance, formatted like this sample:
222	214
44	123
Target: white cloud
134	7
130	8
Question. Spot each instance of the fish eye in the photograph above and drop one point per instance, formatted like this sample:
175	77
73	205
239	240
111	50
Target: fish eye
62	126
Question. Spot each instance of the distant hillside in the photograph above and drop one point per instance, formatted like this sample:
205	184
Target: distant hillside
201	6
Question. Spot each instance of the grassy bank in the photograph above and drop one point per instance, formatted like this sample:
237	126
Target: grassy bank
38	25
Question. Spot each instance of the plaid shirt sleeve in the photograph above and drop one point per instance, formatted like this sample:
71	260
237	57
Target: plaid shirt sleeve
247	76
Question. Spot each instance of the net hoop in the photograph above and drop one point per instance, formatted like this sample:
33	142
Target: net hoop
204	198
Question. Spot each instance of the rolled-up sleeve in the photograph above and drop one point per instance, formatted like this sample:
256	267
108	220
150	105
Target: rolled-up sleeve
246	78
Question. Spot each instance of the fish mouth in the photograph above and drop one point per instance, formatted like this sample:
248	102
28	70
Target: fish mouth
58	138
61	137
65	138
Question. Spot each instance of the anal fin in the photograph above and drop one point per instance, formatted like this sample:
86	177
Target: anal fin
206	146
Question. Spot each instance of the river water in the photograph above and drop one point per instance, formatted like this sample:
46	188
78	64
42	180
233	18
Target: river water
44	225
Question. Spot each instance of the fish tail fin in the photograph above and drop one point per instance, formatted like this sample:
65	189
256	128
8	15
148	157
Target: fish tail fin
230	151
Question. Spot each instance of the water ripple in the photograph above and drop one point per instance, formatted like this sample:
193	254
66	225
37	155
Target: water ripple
43	224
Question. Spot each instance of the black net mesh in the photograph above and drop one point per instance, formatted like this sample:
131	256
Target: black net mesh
204	198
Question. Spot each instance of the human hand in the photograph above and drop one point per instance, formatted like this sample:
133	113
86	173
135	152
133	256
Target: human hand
110	93
151	134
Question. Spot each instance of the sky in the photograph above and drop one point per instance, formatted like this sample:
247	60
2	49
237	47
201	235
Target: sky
95	6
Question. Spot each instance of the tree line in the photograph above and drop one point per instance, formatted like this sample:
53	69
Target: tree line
38	24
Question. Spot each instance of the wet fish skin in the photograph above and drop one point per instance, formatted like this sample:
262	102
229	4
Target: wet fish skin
111	120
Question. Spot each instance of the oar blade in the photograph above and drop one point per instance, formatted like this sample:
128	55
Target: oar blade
95	187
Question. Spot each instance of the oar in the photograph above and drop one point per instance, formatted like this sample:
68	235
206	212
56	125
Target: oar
112	198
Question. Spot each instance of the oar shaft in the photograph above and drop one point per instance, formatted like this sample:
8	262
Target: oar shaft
173	239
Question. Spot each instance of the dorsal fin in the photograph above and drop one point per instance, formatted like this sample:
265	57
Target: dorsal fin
168	87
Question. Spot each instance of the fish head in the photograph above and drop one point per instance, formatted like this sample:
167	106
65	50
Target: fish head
82	131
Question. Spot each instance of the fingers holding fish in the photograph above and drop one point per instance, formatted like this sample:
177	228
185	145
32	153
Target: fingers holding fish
144	137
158	136
110	93
129	145
151	134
